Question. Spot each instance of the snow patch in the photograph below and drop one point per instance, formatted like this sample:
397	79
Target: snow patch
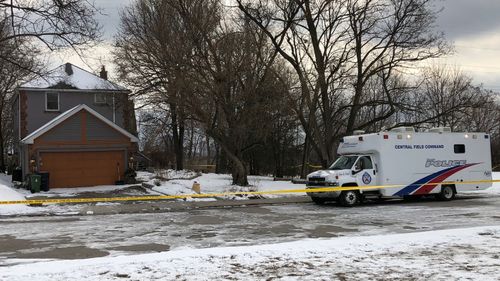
468	253
181	182
79	79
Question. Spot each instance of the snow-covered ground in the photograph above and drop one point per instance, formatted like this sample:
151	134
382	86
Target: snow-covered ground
9	194
167	182
455	254
182	182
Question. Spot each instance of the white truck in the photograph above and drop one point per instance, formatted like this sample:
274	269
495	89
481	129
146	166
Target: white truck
417	162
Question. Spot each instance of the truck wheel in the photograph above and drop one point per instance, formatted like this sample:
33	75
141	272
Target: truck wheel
318	200
447	193
349	198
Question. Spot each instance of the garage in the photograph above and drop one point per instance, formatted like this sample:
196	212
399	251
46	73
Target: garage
77	169
79	148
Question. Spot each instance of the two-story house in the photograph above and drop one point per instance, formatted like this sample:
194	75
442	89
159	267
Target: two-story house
77	126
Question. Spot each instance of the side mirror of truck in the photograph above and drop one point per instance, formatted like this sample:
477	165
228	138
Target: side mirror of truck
355	170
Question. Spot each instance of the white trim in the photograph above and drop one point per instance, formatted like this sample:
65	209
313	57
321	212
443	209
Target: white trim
58	101
59	119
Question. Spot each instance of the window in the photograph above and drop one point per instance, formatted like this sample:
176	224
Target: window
99	98
364	162
459	148
52	101
343	162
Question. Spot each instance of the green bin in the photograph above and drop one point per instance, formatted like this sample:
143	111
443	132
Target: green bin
35	182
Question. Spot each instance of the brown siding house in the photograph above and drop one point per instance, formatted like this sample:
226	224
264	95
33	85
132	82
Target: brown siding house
78	127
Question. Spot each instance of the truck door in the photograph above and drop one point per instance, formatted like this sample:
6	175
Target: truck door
365	171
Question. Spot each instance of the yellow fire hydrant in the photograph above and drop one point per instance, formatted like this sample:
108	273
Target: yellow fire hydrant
196	187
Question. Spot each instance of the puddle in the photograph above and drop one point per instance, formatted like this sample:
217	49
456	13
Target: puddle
203	220
328	231
152	247
9	243
69	253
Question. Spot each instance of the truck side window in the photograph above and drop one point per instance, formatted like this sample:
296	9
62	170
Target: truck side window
459	148
366	162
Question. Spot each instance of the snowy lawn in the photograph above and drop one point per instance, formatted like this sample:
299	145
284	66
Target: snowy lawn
455	254
176	183
166	182
9	194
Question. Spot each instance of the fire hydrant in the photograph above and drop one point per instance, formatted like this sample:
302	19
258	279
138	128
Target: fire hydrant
196	187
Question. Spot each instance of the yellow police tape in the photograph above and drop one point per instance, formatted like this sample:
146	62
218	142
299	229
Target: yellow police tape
208	195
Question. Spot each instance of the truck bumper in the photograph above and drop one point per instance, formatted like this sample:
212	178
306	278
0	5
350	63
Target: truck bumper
327	194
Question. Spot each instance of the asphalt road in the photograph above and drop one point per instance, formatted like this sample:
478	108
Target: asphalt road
23	239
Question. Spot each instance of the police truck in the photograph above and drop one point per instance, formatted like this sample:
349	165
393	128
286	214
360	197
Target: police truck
403	163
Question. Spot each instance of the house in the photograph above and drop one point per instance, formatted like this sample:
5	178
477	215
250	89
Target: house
77	126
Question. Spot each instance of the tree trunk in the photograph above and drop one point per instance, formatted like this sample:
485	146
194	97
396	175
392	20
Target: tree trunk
178	136
207	140
191	141
240	175
305	159
2	153
2	143
239	169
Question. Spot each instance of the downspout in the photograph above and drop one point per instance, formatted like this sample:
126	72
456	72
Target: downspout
114	109
18	117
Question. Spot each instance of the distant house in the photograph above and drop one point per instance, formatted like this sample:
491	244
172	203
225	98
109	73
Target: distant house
77	126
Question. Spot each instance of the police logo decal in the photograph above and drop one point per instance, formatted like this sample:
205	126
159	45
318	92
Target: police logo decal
366	178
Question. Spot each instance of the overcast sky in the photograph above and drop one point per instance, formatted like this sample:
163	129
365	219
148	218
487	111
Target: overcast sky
472	25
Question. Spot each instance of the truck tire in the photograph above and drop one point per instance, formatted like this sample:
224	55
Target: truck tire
318	200
447	193
349	198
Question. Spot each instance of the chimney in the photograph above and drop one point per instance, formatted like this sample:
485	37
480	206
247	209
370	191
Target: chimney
68	68
103	74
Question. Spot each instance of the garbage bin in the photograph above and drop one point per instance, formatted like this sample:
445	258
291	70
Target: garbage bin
44	181
35	182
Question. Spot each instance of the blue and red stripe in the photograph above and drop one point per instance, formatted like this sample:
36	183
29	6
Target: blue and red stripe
427	184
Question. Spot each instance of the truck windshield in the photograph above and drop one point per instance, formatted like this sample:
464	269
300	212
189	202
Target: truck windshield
343	163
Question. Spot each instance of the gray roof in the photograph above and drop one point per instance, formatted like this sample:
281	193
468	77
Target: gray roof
69	76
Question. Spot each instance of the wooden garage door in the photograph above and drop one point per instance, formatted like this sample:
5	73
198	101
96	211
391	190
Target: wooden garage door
77	169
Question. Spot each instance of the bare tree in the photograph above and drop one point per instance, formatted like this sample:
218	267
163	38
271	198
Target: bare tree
442	98
20	64
216	67
336	47
55	24
150	54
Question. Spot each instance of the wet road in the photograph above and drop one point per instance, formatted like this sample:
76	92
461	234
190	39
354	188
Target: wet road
76	237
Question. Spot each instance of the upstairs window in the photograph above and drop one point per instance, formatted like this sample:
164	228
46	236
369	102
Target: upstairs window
99	98
52	101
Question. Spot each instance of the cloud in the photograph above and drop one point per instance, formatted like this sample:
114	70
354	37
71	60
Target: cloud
110	17
469	18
